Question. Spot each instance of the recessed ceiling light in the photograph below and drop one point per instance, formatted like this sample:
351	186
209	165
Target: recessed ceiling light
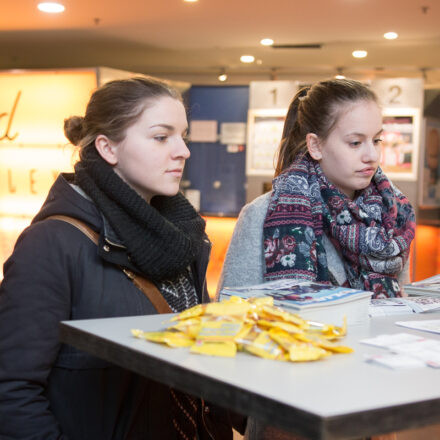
390	35
190	1
340	76
266	42
359	53
51	7
247	58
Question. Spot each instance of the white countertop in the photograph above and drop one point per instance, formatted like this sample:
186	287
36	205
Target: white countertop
338	386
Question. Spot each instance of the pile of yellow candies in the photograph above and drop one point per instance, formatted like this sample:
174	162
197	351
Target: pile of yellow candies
254	326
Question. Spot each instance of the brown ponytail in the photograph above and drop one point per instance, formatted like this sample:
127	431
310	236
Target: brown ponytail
292	142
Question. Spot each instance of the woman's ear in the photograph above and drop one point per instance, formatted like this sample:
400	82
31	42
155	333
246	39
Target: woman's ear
106	149
314	146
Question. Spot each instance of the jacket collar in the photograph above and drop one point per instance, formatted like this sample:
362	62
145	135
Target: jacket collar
110	235
107	231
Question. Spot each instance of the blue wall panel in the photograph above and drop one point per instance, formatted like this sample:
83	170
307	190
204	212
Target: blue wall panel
218	174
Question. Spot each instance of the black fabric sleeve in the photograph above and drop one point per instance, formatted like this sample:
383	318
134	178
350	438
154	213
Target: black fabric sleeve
34	298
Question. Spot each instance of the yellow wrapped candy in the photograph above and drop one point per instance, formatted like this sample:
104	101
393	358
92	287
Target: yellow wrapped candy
189	313
330	346
244	331
254	326
283	338
264	347
172	339
261	301
227	308
288	327
298	352
323	342
190	326
306	352
329	331
219	331
276	313
224	349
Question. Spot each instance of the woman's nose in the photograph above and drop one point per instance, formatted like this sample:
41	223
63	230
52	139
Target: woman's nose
182	149
372	152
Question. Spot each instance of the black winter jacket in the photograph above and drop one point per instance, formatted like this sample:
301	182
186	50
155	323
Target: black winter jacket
53	391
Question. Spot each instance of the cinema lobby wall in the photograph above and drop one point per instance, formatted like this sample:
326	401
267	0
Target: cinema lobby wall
218	179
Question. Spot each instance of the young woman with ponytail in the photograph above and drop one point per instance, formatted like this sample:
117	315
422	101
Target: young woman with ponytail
332	216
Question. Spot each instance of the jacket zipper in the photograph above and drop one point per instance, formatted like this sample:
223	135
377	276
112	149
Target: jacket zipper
203	419
114	244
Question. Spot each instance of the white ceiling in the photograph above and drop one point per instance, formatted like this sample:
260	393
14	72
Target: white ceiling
187	41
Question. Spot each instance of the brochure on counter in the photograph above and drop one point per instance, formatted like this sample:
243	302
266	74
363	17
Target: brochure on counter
404	351
432	326
429	286
402	306
311	300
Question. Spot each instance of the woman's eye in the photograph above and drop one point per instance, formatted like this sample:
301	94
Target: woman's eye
377	141
160	138
355	143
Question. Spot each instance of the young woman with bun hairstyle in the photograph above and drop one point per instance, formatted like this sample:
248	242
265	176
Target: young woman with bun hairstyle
126	189
332	216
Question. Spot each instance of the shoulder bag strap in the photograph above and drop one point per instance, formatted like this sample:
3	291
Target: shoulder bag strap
142	283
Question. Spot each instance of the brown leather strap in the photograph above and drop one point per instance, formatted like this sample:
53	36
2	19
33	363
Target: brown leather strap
143	284
150	291
87	230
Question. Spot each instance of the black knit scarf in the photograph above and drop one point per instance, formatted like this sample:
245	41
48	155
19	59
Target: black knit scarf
162	238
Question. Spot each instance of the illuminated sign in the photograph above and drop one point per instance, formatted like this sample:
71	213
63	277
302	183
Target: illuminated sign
10	116
33	148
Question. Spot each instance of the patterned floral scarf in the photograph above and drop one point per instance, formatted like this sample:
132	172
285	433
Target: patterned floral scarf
372	233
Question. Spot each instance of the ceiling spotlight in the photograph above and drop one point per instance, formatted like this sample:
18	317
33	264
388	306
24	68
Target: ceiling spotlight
190	1
51	7
359	53
340	74
247	58
222	77
266	42
390	35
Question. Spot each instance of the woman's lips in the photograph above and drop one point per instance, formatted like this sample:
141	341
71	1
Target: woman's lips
369	171
176	172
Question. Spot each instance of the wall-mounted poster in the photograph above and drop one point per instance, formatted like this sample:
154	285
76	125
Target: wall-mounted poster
265	128
430	181
400	146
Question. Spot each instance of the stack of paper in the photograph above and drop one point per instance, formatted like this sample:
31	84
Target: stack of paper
312	300
429	286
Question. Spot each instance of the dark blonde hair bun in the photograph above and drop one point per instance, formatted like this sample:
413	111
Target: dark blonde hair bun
74	129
